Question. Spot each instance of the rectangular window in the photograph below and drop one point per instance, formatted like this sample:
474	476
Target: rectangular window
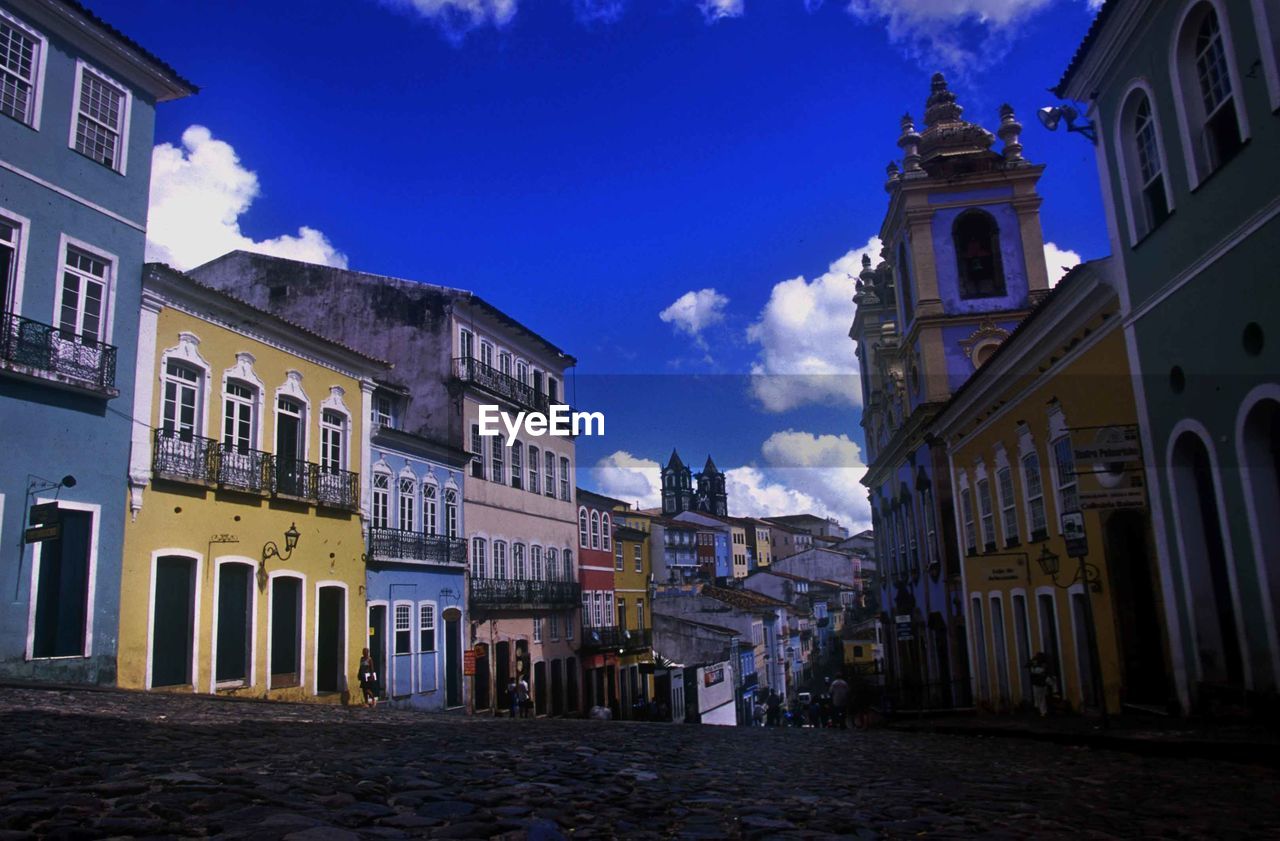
622	613
19	64
486	354
534	464
466	344
617	556
450	513
535	562
407	496
517	465
551	473
988	514
332	451
930	532
1008	508
100	116
636	554
426	627
564	479
568	633
181	394
553	621
597	613
381	513
1067	498
9	234
499	468
970	533
479	568
382	410
504	363
1034	488
537	629
553	390
499	559
239	429
640	620
586	608
82	308
517	561
608	606
477	452
404	633
430	498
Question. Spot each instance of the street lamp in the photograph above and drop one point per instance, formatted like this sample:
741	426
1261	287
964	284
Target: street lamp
1051	115
271	550
1089	574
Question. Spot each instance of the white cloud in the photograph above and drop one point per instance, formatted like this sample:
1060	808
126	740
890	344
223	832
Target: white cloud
1059	261
693	311
458	17
602	11
940	33
805	354
629	478
198	194
714	10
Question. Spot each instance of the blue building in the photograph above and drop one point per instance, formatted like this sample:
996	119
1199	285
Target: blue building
416	564
77	118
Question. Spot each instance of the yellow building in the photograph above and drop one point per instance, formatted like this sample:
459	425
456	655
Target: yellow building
762	543
243	563
632	593
1045	459
740	565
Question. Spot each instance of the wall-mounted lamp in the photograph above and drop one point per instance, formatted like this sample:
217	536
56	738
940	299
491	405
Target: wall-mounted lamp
271	550
1051	115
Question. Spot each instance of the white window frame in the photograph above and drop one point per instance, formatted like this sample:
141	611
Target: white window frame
1128	164
1008	504
406	500
1059	484
479	558
380	498
550	487
553	626
536	570
986	510
109	293
126	117
477	454
969	533
486	353
430	507
39	67
606	529
637	553
583	528
18	281
1188	113
535	455
500	560
553	564
1267	23
466	343
564	479
432	626
519	562
398	611
451	525
517	465
595	530
328	430
537	629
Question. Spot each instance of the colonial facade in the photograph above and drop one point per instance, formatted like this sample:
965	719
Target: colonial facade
1184	98
454	353
601	643
243	566
76	131
963	265
682	490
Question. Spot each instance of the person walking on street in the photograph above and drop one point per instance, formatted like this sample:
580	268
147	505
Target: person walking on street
774	717
839	702
513	696
368	679
1040	683
525	703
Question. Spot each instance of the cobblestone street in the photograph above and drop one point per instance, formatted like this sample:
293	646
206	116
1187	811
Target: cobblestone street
92	764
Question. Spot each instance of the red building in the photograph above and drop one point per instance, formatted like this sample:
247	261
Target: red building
598	649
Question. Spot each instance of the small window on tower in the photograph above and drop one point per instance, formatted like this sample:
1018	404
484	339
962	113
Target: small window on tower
977	241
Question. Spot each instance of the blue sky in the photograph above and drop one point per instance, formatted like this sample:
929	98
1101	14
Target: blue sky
585	164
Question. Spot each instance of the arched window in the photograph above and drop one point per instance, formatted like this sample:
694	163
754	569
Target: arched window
380	513
553	565
567	566
1147	192
430	499
499	559
517	562
595	530
606	528
407	485
904	284
1212	121
1259	444
479	563
535	562
517	466
977	241
450	512
582	528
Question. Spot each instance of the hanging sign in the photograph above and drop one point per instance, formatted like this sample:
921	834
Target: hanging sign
44	514
1109	469
1074	534
469	663
904	627
39	534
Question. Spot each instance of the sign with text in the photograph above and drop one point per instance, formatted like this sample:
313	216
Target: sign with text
1109	469
712	676
469	663
39	534
1111	447
1074	534
44	514
904	627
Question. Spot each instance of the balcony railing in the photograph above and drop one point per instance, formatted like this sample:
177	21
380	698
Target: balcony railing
39	350
474	371
523	594
183	457
416	547
618	639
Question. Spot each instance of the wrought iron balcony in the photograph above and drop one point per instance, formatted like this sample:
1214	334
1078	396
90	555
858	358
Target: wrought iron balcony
471	370
611	637
39	351
335	488
416	547
243	469
184	457
523	594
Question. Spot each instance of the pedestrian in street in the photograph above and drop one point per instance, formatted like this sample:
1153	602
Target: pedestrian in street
758	713
839	702
368	679
526	704
1040	683
774	716
513	696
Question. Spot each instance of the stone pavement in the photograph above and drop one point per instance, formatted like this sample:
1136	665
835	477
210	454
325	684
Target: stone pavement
90	764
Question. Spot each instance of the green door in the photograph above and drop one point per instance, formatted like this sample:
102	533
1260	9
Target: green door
173	621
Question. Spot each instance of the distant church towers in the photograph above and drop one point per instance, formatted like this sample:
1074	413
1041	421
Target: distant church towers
682	490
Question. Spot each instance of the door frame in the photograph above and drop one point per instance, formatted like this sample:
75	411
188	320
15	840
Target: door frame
92	585
250	667
344	637
385	604
451	614
302	624
195	610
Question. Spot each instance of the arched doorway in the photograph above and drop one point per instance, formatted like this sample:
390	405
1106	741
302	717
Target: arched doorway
1260	473
1199	523
452	658
1134	586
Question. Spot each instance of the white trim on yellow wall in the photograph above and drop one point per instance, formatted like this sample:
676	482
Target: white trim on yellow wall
250	667
194	662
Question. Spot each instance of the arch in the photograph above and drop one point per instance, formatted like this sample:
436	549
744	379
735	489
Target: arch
243	372
975	234
276	630
1208	139
1141	160
1258	450
595	529
1267	20
330	632
222	635
606	532
1211	589
583	527
187	352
